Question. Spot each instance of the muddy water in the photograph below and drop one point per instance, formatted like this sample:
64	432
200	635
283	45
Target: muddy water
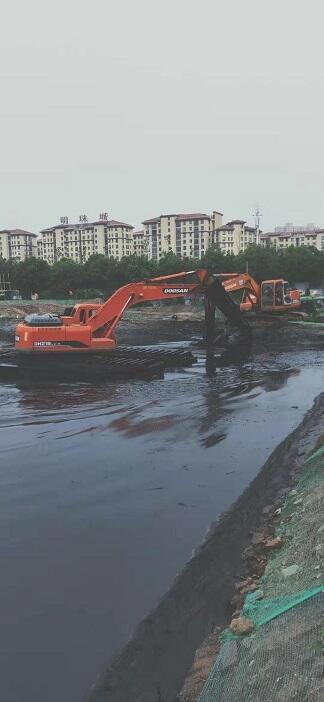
106	491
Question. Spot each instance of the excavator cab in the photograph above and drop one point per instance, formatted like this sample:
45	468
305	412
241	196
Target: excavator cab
276	295
80	313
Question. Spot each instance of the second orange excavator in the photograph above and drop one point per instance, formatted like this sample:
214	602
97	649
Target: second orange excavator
271	296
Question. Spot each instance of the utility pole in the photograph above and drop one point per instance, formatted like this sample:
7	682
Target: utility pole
257	217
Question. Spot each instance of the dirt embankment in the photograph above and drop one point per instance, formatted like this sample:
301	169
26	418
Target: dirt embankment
153	665
18	310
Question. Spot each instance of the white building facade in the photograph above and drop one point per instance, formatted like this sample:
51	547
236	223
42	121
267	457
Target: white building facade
17	244
140	242
81	240
291	235
234	237
186	235
191	235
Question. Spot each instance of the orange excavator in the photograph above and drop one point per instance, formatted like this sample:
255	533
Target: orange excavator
90	327
271	296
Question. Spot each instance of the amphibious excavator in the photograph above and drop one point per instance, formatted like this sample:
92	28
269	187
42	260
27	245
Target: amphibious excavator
271	296
90	327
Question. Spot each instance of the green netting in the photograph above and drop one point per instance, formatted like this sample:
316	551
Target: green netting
282	659
281	662
262	612
313	458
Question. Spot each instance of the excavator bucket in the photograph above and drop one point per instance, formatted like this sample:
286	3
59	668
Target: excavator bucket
238	332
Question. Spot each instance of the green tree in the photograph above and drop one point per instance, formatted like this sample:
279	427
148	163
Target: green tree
103	275
29	276
217	262
133	268
170	263
304	263
261	263
65	276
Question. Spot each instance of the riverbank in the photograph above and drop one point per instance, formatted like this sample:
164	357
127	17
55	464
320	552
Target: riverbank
274	647
154	664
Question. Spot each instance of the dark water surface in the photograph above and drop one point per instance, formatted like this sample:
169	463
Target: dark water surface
106	491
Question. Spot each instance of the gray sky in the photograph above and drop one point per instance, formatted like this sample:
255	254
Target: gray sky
139	107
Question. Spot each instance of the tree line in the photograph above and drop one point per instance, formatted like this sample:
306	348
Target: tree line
100	275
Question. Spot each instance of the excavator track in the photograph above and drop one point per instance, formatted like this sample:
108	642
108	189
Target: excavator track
172	358
119	364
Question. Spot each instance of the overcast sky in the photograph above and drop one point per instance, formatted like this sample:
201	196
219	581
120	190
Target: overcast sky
139	107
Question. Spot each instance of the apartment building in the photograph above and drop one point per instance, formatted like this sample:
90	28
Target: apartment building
83	239
186	235
291	235
233	237
140	242
17	244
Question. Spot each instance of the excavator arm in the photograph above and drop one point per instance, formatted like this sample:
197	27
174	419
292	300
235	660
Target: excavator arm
161	288
239	281
244	282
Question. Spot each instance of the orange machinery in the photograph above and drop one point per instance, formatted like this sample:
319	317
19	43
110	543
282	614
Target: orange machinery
271	296
90	327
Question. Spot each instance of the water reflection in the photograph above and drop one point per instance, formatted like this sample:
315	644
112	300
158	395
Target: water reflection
57	397
198	404
245	382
